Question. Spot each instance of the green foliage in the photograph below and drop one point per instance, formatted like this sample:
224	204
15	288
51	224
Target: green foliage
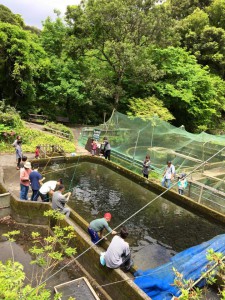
216	12
12	285
149	107
9	116
181	9
7	16
46	253
188	90
203	33
216	269
19	63
32	138
109	52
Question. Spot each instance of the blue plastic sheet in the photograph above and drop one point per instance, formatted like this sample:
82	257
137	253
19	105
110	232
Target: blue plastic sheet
157	283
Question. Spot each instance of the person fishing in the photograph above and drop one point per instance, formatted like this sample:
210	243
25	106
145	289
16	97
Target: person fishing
107	148
48	189
59	200
118	253
97	227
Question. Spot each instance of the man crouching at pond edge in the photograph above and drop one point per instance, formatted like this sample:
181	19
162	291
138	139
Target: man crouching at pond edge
118	253
97	226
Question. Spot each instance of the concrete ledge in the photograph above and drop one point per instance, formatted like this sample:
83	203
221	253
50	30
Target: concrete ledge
32	213
126	289
171	195
29	212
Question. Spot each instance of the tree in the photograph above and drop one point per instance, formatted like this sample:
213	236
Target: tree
191	94
20	56
113	32
206	42
181	9
53	36
216	12
147	108
60	78
7	16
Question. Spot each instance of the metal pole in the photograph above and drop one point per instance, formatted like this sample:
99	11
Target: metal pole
136	146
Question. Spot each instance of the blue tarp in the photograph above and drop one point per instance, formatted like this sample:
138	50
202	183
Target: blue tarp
192	262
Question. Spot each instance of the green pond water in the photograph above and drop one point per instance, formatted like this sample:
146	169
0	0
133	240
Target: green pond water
155	234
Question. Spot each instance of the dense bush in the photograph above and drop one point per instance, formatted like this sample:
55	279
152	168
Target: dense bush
32	138
10	117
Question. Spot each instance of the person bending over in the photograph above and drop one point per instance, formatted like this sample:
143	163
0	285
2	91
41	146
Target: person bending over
97	226
59	200
118	253
48	189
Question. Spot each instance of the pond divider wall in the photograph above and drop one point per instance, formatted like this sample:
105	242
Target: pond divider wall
151	185
32	213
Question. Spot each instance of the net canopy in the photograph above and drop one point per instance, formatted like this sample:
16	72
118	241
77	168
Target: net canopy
157	283
132	139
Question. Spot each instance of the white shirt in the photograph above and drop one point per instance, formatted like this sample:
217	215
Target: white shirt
113	255
169	171
47	187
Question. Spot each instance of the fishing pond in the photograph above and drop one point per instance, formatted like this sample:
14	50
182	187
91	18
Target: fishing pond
155	234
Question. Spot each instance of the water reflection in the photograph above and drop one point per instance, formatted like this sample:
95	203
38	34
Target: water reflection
156	233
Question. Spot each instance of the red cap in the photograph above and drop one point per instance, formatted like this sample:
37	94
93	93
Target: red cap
107	215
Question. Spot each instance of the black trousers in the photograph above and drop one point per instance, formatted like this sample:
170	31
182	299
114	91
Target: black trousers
127	263
18	162
44	197
107	154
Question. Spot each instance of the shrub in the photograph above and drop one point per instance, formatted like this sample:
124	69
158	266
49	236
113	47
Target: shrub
10	117
32	137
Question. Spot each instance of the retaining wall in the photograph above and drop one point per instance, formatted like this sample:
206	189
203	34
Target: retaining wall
32	213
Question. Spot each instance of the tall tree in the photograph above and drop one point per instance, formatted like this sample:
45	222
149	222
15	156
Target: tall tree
206	42
7	16
19	58
60	82
114	31
191	94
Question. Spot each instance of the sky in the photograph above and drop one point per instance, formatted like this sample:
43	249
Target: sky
33	12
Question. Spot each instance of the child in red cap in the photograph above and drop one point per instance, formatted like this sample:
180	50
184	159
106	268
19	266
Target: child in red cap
97	226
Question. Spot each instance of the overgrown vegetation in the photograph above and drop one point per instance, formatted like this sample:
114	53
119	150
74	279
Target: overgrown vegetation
214	275
119	54
47	253
12	125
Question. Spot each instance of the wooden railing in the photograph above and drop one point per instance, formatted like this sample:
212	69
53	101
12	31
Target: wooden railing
38	118
58	133
51	150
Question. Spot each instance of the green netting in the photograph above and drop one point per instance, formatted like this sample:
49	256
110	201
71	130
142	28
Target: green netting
132	138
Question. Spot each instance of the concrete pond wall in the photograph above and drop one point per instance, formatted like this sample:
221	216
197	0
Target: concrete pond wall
32	213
